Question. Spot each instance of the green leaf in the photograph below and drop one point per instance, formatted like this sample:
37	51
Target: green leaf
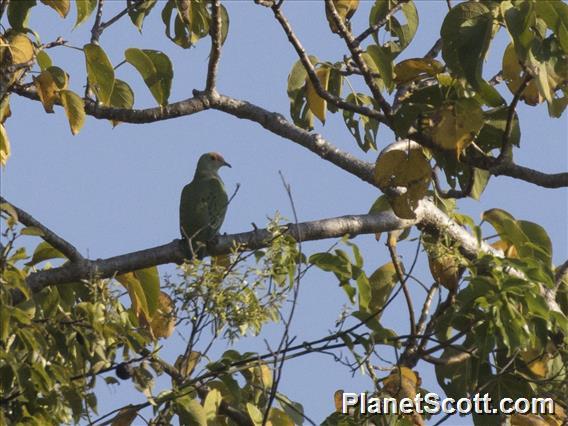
480	180
212	403
332	263
190	412
383	59
295	410
139	13
491	134
44	251
156	70
33	231
466	34
195	17
555	14
297	76
19	12
382	283
60	6
150	281
255	414
367	138
538	236
100	72
122	97
43	60
84	9
74	109
402	33
225	21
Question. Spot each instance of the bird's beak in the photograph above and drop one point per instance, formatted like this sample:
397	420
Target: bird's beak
227	164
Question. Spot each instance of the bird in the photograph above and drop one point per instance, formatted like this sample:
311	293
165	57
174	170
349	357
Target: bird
203	204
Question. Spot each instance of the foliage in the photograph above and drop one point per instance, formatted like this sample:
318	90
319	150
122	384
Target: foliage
500	325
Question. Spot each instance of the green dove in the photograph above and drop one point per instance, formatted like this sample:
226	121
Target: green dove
203	203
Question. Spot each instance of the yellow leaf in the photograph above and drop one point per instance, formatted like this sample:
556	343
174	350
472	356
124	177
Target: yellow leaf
60	6
537	362
48	84
137	296
125	417
277	417
456	124
186	365
445	269
403	172
74	109
338	400
410	69
163	321
4	146
21	48
316	104
507	248
402	382
527	420
345	9
512	72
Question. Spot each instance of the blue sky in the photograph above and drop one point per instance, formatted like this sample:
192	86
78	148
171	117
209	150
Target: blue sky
112	191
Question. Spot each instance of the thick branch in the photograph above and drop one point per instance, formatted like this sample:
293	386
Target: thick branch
136	116
278	124
47	234
175	252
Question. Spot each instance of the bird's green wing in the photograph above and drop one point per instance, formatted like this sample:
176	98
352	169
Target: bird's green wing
203	206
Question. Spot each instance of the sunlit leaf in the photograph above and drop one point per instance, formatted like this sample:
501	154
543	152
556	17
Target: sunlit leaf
4	146
403	172
84	9
100	72
139	13
156	70
44	251
345	10
317	104
48	84
74	109
60	6
456	124
122	97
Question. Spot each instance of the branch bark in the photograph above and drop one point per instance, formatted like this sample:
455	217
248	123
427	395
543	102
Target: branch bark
176	251
215	53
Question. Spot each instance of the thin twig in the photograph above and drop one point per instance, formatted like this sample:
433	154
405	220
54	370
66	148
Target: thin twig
452	193
324	94
400	274
356	52
506	154
376	26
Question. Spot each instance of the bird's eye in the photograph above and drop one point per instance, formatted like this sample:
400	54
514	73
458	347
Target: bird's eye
212	157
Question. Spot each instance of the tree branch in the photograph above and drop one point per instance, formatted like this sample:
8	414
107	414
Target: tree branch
506	155
278	124
47	234
355	50
308	66
176	251
375	27
215	55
